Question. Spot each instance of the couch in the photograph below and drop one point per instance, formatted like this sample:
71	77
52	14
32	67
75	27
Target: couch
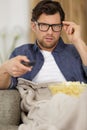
9	109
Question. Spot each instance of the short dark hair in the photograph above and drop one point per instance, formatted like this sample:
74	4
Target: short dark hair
48	7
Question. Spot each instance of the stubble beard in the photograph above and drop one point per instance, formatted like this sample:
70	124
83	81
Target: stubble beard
44	45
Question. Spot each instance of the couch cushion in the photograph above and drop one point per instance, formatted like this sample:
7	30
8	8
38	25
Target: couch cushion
9	107
8	127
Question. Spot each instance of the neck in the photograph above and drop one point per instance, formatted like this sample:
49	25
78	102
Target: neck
45	49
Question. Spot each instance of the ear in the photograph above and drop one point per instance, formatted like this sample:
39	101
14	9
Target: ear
33	26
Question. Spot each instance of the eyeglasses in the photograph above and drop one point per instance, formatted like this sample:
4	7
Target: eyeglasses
45	27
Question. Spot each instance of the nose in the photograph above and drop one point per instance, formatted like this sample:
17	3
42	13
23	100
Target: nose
50	31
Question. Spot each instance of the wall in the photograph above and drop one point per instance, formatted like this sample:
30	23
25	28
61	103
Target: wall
14	25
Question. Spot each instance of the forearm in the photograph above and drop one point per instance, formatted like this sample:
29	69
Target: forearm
5	78
82	50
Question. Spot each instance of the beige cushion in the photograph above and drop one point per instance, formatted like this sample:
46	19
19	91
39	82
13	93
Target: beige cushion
9	107
8	127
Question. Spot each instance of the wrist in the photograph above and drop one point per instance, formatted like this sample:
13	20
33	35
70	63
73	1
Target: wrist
3	69
79	43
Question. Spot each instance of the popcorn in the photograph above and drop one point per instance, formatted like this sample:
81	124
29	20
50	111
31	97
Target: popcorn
70	88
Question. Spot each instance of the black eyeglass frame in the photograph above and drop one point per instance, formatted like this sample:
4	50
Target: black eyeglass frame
49	25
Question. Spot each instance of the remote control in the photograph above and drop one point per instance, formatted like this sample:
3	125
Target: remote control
28	64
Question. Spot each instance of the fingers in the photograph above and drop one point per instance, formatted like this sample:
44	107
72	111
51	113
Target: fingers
17	73
19	69
68	23
72	30
69	27
15	68
22	58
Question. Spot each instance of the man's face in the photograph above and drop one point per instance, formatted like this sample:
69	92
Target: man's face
47	39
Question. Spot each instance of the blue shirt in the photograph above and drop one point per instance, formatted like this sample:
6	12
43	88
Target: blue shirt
65	55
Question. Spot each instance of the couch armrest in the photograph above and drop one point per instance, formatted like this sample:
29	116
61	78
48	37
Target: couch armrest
9	107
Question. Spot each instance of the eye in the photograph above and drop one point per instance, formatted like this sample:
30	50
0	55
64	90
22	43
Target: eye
57	25
43	25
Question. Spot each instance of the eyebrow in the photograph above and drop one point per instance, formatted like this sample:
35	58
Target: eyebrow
48	23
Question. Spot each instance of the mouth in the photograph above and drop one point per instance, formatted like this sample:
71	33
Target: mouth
49	39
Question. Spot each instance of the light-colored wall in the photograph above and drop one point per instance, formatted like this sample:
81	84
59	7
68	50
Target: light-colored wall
14	21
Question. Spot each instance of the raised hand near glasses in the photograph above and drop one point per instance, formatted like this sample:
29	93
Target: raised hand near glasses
73	32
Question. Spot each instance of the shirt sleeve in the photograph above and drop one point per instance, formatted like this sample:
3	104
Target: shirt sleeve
85	69
13	83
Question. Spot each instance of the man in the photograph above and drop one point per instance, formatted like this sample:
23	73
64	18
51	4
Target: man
54	60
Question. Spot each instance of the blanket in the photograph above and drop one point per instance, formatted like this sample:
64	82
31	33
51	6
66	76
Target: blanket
43	111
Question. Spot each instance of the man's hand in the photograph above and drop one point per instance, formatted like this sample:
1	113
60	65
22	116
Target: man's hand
15	68
73	31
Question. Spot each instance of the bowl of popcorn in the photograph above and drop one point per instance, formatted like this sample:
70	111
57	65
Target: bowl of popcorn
70	88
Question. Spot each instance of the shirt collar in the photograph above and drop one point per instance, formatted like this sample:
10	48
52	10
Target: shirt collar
60	46
36	46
